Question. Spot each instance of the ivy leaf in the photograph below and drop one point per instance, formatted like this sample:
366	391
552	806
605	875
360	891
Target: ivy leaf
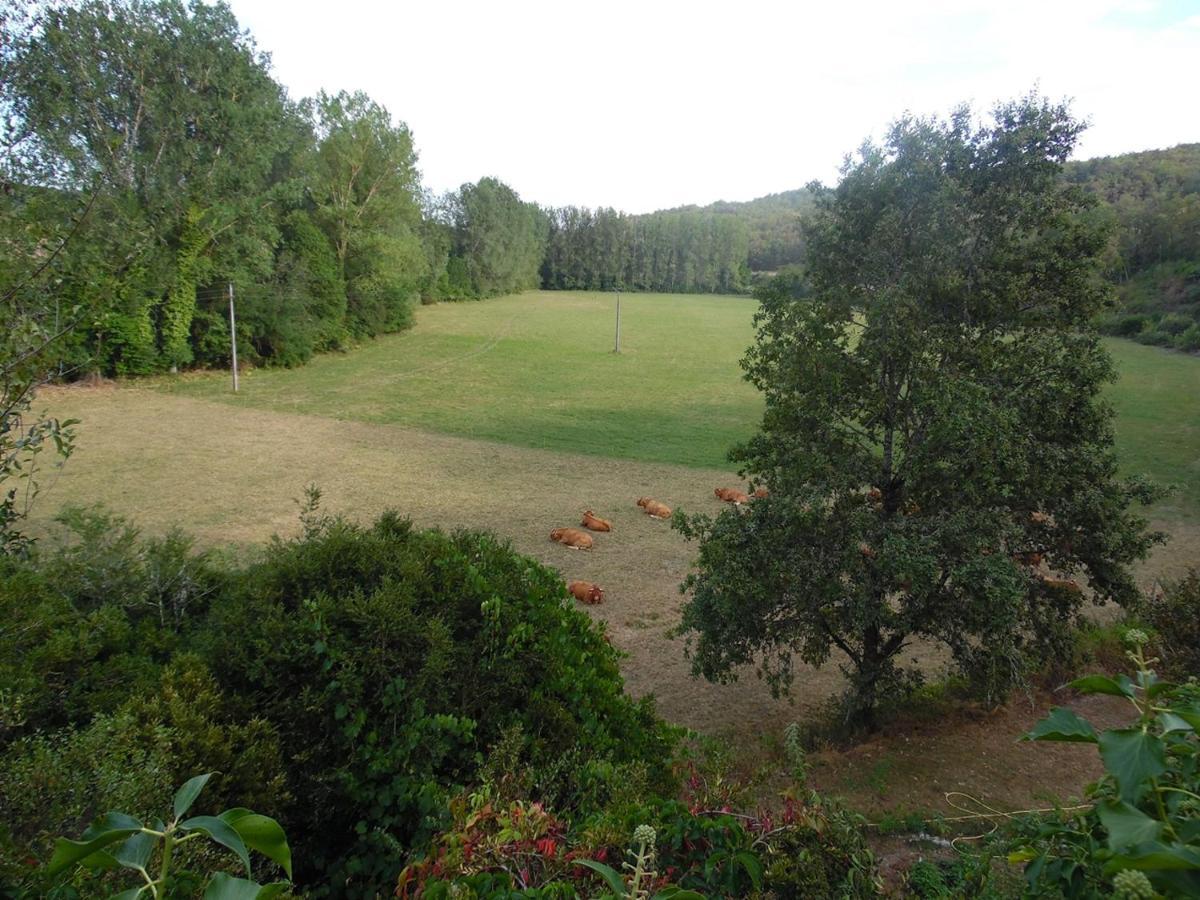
1189	713
1062	725
1169	722
1102	684
1127	825
1132	756
187	794
1154	855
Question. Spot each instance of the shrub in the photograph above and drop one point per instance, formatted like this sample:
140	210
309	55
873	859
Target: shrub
92	622
1175	616
55	782
1189	340
410	654
1124	325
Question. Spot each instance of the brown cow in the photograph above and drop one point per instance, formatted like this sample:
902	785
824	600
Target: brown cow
731	495
594	522
654	509
586	592
1032	558
760	492
572	537
1061	584
875	496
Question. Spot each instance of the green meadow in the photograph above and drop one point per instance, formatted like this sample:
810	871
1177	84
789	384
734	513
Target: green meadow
537	370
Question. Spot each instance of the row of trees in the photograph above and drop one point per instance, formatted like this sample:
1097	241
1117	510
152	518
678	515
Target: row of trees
681	251
154	132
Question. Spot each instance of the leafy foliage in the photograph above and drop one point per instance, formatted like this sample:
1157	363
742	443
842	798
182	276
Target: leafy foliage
239	830
1174	613
933	426
1143	824
413	652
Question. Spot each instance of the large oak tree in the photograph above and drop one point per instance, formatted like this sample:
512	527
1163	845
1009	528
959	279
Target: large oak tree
939	455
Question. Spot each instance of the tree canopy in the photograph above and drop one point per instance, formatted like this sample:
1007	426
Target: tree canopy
940	462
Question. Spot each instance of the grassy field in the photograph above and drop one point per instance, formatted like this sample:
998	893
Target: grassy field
537	370
513	415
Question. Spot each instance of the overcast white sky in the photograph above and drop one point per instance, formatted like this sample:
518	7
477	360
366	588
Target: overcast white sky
644	105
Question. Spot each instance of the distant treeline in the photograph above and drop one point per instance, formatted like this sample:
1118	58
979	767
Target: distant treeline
681	251
149	160
1154	257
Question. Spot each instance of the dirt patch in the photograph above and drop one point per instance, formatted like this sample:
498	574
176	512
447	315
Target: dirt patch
914	767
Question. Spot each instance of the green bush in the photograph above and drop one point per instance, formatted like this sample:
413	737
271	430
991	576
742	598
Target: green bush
55	782
1175	616
90	623
411	653
1189	340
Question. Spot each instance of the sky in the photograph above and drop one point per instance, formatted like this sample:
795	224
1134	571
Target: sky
653	104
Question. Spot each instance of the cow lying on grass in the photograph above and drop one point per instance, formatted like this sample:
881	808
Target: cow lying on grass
732	495
594	522
654	509
572	537
586	592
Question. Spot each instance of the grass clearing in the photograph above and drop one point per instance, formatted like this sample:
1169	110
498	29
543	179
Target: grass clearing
537	370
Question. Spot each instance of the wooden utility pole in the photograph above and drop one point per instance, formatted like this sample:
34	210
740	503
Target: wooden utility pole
617	345
233	336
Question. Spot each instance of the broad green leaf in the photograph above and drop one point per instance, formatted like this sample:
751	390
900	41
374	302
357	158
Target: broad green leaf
673	893
1132	756
111	821
1154	855
131	894
752	866
68	852
226	887
1062	725
1154	687
261	833
186	795
1127	825
1189	714
221	833
1169	722
1102	684
615	884
135	852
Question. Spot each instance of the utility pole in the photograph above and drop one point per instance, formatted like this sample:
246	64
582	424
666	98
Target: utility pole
233	336
617	345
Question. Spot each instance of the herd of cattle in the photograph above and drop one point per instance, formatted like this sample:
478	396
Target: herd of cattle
578	539
591	593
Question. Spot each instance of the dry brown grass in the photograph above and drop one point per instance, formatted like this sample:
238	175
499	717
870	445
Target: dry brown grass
230	476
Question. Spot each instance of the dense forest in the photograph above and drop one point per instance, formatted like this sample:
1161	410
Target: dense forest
1154	255
151	163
